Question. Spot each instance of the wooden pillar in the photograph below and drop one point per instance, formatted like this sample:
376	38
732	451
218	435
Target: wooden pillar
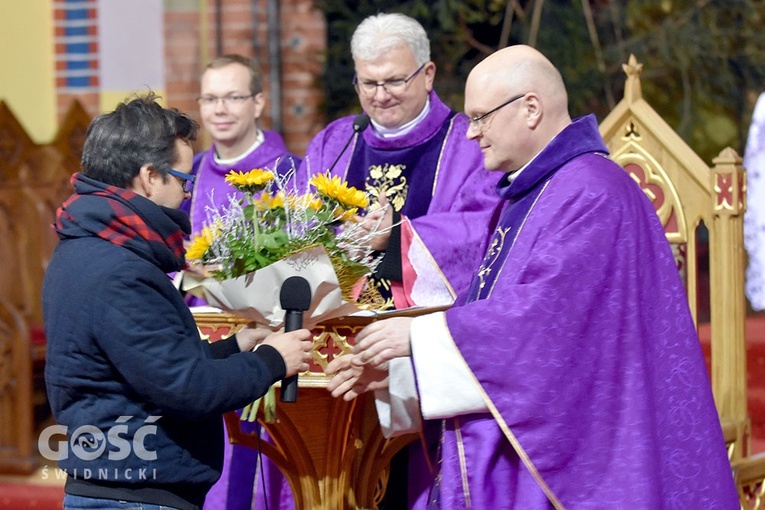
727	301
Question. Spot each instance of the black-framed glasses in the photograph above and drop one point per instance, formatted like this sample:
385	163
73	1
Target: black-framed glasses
479	121
226	100
186	180
392	87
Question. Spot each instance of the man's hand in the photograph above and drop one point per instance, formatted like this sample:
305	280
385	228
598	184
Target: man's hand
250	336
377	224
351	380
295	348
382	341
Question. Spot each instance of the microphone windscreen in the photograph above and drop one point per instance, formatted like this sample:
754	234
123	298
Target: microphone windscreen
295	294
360	122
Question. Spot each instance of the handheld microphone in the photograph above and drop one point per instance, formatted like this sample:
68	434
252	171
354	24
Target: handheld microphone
360	123
295	298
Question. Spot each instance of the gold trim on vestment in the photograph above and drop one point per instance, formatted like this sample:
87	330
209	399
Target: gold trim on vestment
350	158
517	233
463	463
441	155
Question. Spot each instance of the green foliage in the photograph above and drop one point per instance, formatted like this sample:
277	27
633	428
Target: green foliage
704	61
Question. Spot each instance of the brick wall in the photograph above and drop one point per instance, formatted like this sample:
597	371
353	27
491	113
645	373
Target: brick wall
183	56
191	40
241	26
75	36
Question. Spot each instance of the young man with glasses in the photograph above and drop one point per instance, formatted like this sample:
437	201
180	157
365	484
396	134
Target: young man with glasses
575	376
126	370
415	157
231	101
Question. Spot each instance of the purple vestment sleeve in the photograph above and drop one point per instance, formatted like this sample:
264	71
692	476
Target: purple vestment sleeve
583	341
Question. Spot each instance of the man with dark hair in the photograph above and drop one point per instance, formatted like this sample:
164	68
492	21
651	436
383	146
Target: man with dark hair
128	376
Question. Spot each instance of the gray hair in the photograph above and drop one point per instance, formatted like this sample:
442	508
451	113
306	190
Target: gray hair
381	32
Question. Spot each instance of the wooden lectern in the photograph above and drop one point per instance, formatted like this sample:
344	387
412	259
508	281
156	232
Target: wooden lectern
331	451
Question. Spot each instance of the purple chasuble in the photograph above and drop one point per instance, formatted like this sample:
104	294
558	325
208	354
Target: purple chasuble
234	489
399	171
578	330
212	177
456	193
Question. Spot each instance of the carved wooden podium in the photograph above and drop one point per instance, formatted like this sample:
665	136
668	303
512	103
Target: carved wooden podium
331	451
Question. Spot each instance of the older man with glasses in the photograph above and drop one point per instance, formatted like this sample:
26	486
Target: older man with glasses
416	158
575	376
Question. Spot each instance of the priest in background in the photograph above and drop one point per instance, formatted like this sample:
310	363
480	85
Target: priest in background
231	101
415	158
433	193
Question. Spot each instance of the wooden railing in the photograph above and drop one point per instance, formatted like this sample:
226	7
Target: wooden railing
34	181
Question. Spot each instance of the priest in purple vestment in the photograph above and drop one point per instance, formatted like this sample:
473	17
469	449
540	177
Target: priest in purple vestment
416	156
231	101
570	374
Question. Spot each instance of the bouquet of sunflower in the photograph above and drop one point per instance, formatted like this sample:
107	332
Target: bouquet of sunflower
252	244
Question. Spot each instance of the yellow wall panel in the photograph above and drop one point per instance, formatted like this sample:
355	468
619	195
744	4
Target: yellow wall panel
27	65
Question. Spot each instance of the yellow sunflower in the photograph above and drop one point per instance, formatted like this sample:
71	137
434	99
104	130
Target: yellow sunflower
251	181
334	188
306	201
200	244
267	201
343	214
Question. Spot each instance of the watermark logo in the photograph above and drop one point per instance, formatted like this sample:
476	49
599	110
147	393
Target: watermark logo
89	442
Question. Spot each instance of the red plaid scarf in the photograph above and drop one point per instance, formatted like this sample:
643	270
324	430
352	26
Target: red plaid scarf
124	218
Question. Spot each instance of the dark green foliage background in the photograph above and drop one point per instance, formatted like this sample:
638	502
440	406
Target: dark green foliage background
704	60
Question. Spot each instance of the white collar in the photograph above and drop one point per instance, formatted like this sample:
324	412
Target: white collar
384	132
259	139
514	175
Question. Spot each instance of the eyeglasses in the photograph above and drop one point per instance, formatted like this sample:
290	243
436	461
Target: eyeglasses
480	121
392	87
186	180
226	100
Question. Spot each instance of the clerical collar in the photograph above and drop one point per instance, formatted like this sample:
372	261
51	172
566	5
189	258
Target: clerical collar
384	132
230	161
514	175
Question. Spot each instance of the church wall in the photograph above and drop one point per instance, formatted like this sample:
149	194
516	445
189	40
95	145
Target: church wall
26	66
100	51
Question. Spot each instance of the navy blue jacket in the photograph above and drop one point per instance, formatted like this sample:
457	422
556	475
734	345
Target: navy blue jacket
123	348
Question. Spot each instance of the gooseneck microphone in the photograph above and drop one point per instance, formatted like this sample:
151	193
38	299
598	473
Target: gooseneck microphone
360	123
295	298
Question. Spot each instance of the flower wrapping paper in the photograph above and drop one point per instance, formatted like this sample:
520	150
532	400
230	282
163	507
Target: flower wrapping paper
255	295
